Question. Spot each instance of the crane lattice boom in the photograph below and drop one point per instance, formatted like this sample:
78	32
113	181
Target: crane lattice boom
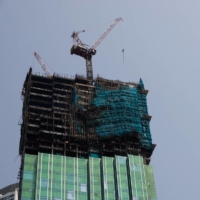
107	31
42	63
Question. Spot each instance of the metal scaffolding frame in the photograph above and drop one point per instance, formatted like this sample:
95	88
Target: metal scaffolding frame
55	114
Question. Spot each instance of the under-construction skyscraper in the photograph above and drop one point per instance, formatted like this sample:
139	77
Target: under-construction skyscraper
85	141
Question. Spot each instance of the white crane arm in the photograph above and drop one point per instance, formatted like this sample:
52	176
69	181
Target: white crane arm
107	31
42	63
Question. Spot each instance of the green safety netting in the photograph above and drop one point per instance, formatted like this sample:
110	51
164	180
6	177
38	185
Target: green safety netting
124	113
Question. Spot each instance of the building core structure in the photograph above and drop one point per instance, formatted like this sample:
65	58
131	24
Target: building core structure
85	141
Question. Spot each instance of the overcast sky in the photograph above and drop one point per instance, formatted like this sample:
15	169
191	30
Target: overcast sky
161	39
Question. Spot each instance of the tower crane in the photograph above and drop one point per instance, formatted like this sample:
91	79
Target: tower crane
43	64
83	50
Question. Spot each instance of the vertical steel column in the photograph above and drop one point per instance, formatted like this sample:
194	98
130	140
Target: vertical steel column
89	70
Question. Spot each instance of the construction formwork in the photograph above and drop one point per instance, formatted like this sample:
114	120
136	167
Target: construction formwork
62	177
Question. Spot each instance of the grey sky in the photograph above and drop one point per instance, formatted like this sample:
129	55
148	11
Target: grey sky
162	44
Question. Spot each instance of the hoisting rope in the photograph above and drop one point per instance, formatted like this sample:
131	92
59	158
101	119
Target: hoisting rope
97	26
123	55
122	41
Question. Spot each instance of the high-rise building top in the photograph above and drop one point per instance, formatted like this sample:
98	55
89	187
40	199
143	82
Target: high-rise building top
68	116
72	120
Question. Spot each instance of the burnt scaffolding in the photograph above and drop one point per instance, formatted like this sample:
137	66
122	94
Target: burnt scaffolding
71	117
68	116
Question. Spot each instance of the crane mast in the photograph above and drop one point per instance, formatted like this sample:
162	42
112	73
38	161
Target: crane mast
42	63
80	49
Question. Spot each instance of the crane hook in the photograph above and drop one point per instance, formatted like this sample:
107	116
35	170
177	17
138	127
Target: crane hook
123	55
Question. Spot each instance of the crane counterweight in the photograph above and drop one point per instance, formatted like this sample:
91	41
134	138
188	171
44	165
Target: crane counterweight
82	51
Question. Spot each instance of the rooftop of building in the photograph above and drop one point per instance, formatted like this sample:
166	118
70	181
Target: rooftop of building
9	188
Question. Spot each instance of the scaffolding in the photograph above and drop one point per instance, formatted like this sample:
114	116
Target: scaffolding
71	117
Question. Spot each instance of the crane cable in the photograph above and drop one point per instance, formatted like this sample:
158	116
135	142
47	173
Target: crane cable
96	26
122	41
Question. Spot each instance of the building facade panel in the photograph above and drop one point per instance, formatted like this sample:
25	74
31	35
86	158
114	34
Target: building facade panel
56	177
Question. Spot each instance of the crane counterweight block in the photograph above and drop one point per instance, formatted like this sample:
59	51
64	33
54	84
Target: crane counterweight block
82	51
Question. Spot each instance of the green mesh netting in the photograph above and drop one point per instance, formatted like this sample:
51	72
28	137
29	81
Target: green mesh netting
122	112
